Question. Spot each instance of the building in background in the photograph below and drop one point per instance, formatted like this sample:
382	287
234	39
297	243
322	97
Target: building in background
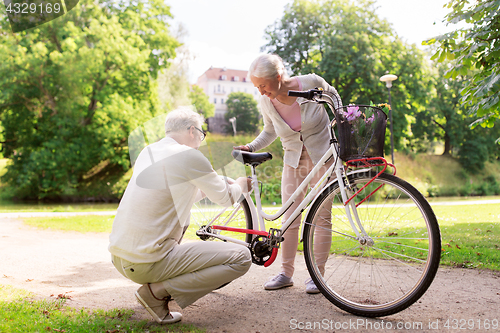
218	83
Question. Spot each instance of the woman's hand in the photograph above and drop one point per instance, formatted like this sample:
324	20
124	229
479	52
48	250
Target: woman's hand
244	148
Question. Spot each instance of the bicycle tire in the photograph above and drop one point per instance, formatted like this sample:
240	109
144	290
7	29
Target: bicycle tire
383	278
205	212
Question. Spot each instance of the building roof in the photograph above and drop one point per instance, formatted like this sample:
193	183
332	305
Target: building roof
229	74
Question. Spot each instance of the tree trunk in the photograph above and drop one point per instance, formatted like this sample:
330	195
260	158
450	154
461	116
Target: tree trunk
447	145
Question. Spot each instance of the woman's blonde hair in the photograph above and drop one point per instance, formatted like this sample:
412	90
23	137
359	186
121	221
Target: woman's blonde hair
267	66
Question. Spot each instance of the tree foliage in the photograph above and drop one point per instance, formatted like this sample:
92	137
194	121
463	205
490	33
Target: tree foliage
447	120
444	118
476	53
201	101
74	88
244	107
351	48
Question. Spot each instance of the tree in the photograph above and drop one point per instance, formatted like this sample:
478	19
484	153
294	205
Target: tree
74	88
201	102
476	53
447	119
478	146
173	82
444	118
350	47
244	107
173	87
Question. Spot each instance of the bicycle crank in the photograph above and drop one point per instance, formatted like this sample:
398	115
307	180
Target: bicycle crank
260	250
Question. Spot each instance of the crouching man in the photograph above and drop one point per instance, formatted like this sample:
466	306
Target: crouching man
169	176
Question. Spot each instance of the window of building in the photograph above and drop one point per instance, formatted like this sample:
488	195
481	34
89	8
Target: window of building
223	77
215	100
222	100
236	78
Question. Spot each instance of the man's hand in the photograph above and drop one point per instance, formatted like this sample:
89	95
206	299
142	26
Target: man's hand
245	184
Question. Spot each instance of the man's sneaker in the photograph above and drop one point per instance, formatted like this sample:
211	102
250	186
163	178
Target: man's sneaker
278	282
158	308
311	287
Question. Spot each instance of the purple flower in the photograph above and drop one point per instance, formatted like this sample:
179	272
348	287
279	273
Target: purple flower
353	113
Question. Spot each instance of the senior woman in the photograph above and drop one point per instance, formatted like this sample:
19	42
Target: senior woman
303	131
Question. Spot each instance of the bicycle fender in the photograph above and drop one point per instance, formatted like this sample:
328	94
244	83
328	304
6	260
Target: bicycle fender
318	195
253	213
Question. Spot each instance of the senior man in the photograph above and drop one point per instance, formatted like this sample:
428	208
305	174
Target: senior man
169	176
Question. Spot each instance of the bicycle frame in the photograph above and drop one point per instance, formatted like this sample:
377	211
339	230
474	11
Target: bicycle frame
258	214
370	273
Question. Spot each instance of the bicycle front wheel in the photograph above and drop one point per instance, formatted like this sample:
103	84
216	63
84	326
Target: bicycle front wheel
391	265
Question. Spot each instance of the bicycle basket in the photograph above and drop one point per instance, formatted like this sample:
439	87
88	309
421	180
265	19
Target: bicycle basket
361	131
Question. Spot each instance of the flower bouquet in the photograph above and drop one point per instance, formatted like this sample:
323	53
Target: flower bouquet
361	130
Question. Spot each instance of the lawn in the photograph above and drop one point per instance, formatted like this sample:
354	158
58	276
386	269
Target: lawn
20	313
470	233
14	207
470	239
83	224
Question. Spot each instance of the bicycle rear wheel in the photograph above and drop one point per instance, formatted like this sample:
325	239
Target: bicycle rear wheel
385	272
205	212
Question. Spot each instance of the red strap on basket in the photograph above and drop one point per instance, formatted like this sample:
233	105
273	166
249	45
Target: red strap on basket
364	163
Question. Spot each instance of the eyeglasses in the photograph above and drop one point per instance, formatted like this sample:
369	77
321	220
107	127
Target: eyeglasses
201	131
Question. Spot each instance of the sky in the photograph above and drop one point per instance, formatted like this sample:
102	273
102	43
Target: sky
230	33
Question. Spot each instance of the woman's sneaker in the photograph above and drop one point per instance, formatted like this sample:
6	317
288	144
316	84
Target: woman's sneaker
311	287
278	282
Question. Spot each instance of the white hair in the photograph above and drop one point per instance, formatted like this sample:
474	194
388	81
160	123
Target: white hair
182	119
267	66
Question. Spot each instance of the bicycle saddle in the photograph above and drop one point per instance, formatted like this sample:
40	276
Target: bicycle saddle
253	159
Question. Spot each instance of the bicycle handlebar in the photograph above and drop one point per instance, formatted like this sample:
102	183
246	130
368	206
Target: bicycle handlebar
317	95
309	94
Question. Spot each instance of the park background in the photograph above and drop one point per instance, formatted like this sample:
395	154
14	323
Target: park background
74	89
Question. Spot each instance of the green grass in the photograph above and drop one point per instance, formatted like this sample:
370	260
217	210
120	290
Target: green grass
437	175
20	313
470	233
25	207
470	237
83	224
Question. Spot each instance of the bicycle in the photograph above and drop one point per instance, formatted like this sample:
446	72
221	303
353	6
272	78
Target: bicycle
381	236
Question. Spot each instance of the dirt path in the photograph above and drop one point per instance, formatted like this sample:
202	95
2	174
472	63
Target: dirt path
78	265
